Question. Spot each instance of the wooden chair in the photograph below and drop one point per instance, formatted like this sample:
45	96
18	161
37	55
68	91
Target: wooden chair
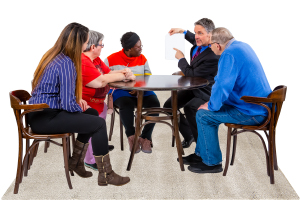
18	100
276	99
112	122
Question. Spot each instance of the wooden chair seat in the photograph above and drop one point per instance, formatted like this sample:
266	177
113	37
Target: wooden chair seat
239	126
18	99
276	99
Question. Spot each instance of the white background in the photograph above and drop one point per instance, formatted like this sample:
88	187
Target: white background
30	28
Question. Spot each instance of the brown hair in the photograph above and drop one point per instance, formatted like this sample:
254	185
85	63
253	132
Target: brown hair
70	43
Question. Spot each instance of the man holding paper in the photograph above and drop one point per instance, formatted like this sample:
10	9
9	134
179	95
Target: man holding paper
203	63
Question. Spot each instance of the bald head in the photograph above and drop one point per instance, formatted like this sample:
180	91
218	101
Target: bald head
221	35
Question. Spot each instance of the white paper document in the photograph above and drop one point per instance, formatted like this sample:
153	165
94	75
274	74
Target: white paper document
174	41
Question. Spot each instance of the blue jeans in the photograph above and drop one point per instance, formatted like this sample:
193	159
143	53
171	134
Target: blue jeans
208	122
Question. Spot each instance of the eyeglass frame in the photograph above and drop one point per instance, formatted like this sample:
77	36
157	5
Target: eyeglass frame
102	45
140	47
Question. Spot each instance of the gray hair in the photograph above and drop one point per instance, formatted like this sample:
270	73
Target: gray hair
208	24
94	39
221	35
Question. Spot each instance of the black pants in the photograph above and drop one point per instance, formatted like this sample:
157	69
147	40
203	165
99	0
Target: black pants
190	104
87	124
127	105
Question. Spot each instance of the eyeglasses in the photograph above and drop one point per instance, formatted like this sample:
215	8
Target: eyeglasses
140	47
102	45
214	43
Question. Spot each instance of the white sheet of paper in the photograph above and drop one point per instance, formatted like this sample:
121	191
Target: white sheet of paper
174	41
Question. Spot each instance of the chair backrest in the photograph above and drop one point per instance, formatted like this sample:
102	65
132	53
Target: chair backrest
17	99
278	97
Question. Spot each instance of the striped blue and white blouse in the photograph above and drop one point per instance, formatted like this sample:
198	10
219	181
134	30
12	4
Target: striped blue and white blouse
57	85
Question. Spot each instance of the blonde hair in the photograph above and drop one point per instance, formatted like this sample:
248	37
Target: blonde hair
70	43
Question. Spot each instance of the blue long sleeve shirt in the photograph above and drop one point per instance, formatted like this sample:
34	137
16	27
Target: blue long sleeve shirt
240	73
57	85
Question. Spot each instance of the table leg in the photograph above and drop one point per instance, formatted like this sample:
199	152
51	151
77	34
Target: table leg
140	95
176	133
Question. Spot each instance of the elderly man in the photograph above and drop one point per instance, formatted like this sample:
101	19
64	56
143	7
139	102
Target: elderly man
240	74
204	63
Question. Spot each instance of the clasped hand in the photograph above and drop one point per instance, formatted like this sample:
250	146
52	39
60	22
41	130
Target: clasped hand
129	76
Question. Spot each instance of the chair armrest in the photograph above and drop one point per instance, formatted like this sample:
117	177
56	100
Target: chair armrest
30	106
259	101
256	99
178	73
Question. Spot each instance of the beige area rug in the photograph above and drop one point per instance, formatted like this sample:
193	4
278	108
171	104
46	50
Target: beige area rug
158	175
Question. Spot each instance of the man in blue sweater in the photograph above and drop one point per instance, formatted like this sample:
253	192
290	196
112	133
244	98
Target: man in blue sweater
240	73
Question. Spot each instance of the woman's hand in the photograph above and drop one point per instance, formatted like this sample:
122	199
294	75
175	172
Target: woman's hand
125	70
83	104
130	77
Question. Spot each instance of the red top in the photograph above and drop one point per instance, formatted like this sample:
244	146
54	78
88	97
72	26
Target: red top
90	71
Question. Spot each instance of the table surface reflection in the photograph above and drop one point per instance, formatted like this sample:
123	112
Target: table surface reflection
161	82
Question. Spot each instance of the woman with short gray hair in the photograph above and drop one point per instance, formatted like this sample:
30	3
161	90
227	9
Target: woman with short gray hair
95	76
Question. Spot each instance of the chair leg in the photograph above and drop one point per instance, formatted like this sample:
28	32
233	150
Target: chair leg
275	154
112	122
19	168
173	140
227	150
271	156
47	144
66	158
121	135
26	162
73	141
233	148
173	136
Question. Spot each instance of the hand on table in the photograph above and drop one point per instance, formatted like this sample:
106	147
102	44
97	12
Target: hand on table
83	104
129	77
204	106
176	30
178	54
125	70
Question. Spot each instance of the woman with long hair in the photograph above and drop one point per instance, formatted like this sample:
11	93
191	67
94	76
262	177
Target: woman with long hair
58	82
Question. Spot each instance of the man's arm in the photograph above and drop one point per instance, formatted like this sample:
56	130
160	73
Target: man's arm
190	37
224	82
203	69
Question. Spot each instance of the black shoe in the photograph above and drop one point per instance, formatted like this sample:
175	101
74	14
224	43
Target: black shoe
203	168
187	144
92	166
191	159
110	148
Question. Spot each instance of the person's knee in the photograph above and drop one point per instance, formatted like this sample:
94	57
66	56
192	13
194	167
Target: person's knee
201	116
125	103
167	104
189	110
91	111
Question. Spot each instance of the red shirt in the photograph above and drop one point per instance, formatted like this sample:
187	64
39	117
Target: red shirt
90	71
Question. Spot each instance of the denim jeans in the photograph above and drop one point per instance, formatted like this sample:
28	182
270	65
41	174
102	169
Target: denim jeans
208	122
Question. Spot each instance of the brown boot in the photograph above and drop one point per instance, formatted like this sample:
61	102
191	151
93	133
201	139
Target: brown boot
106	174
76	163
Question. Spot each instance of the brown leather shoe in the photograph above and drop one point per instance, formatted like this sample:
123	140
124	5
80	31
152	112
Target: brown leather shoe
76	163
130	142
106	174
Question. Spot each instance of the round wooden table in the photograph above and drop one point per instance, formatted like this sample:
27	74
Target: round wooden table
171	83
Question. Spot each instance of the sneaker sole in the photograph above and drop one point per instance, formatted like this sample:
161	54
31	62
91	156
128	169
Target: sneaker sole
146	151
90	167
207	171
